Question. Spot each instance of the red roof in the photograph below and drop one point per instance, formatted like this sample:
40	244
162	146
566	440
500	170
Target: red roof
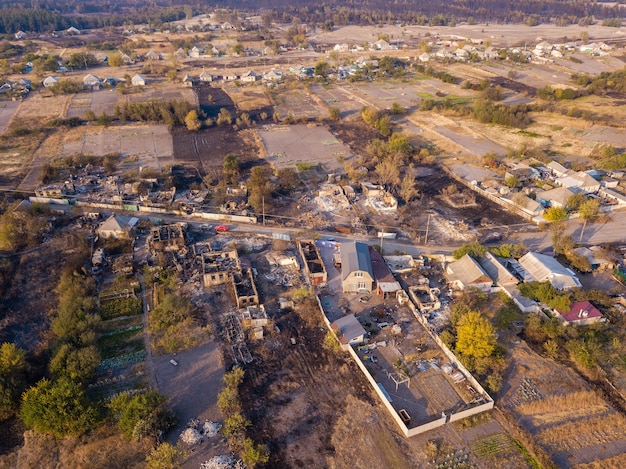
580	311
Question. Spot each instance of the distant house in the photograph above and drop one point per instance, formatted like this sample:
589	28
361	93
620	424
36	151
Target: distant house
581	313
153	55
127	59
357	275
20	35
522	172
557	197
196	52
381	44
272	76
188	81
349	331
92	81
50	81
530	206
138	80
206	77
249	77
580	181
557	169
117	227
180	53
72	30
467	273
542	268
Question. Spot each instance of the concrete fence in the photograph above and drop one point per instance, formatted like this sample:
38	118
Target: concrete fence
409	432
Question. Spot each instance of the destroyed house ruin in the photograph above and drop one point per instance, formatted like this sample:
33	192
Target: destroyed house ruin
167	237
313	264
219	266
245	291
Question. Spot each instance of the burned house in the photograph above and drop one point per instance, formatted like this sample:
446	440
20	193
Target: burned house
167	237
219	266
313	264
245	290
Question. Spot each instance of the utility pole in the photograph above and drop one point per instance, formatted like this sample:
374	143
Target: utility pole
427	228
263	202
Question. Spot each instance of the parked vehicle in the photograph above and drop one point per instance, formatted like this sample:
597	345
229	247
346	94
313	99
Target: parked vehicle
221	228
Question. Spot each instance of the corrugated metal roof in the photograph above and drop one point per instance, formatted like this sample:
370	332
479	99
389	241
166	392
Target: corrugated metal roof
355	256
541	268
467	271
498	273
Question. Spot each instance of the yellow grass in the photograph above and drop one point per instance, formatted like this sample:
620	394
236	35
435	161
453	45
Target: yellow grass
565	403
249	99
576	435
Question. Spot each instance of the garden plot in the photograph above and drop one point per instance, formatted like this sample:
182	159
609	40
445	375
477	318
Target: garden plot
151	144
298	104
574	424
303	146
336	97
99	102
7	109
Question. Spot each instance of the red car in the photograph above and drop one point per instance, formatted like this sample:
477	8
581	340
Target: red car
221	228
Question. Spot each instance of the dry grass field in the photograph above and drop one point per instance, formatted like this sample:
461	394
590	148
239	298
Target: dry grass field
573	423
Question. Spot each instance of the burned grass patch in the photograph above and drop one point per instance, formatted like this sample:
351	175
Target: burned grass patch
207	148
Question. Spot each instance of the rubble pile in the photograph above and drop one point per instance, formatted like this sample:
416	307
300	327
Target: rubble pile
223	461
190	436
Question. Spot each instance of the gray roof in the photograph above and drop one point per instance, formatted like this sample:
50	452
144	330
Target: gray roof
467	271
541	268
355	256
349	328
559	195
498	273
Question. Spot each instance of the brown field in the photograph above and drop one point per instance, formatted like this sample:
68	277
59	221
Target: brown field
249	98
568	420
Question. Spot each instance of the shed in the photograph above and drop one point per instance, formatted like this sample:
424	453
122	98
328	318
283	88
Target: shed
466	273
349	331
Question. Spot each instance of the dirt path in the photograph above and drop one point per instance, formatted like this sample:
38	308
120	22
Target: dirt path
151	376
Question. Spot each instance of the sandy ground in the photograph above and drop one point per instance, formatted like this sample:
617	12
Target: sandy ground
500	34
7	110
286	146
193	386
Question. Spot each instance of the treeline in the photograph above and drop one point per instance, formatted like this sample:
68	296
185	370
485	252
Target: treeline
167	112
436	13
47	20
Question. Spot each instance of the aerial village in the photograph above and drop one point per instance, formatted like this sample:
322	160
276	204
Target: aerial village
317	218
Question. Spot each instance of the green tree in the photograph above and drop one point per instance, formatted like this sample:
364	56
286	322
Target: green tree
115	59
475	336
260	188
60	408
78	364
588	211
555	214
575	201
141	415
253	454
165	456
321	69
192	121
513	182
475	250
13	368
231	166
397	109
